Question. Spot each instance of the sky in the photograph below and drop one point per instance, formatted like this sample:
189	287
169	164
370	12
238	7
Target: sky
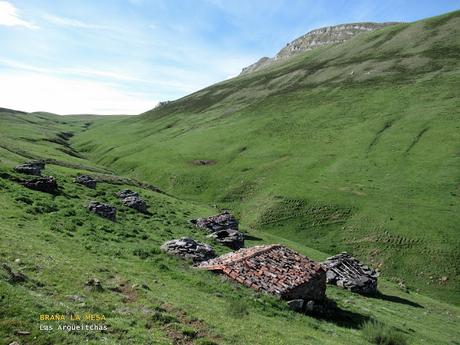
124	56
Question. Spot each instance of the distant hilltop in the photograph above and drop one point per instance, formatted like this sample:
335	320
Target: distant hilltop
314	39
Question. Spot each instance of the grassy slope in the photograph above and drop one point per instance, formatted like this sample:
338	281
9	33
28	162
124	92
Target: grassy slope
148	297
352	147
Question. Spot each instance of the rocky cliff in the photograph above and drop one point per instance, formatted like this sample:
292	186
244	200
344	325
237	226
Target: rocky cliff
314	39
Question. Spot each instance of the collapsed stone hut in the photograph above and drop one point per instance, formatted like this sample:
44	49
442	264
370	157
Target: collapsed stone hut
347	272
222	221
274	269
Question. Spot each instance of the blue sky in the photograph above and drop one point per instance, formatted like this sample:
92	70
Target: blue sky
123	56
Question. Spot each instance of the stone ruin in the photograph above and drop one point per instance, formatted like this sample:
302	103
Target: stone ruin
46	184
347	272
223	228
274	269
188	248
133	200
103	210
222	221
230	238
86	181
31	168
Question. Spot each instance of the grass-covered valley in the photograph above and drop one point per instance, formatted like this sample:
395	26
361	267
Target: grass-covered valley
352	147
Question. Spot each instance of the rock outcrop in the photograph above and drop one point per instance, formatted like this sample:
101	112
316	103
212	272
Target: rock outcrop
103	210
230	238
188	248
321	37
133	200
347	272
86	181
31	168
46	184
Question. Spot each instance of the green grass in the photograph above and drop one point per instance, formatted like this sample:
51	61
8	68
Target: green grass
305	153
380	146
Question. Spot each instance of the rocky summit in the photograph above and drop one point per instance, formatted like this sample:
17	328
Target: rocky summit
317	38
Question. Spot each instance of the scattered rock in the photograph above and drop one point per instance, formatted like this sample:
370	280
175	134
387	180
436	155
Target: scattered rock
22	333
14	343
86	181
31	168
296	304
103	210
203	162
310	306
94	284
14	277
222	221
47	184
188	248
133	200
230	238
126	193
347	272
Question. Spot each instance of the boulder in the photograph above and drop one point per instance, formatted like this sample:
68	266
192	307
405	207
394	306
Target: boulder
230	238
296	304
94	284
103	210
347	272
86	181
126	193
31	168
47	184
188	248
222	221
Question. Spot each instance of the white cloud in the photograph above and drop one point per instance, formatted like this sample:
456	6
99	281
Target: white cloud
63	21
9	16
39	92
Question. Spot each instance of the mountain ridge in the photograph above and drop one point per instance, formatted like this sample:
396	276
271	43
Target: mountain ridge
324	36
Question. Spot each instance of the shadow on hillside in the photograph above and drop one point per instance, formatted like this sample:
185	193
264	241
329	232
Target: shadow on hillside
395	299
251	238
343	318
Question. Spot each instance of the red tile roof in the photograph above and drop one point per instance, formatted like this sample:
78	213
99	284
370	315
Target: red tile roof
272	268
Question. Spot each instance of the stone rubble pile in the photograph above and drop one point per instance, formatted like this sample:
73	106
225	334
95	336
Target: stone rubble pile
86	181
222	221
230	238
188	248
347	272
47	184
103	210
223	228
31	168
133	200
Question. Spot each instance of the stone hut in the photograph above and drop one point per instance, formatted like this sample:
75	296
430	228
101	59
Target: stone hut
274	269
347	272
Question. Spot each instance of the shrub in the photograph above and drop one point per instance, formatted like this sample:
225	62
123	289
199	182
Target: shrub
381	334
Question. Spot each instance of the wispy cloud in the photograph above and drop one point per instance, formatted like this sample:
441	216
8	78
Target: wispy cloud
71	22
9	16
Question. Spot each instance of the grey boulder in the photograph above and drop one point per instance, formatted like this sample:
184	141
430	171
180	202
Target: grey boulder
230	238
103	210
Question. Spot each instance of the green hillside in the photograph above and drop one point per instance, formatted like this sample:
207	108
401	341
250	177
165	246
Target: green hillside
350	147
148	297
